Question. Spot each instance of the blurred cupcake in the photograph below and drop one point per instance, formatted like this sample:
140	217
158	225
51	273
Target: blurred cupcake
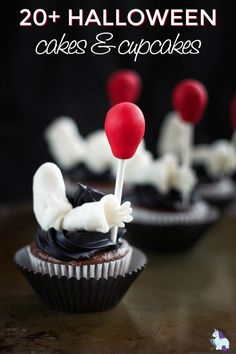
215	164
73	265
168	215
87	160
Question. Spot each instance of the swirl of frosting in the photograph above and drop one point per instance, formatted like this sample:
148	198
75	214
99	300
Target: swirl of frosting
67	246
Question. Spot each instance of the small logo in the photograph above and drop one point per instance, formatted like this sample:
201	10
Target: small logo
219	341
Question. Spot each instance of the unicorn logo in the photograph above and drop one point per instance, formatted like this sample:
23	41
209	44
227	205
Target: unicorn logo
219	341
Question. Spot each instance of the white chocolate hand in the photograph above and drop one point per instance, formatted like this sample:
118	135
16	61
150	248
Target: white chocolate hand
219	158
116	215
165	173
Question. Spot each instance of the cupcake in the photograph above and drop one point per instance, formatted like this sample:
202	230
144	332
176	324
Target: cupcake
72	264
85	159
215	164
168	215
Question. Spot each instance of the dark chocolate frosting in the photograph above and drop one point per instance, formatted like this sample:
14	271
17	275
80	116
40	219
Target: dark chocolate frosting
148	196
82	172
66	246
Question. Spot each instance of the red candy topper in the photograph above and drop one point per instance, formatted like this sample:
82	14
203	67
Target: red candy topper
190	98
125	127
124	86
233	112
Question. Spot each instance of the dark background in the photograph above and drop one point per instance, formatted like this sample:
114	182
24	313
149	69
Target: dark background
37	89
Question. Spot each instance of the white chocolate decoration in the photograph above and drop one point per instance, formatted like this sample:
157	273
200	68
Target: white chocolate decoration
69	148
165	173
174	134
218	158
52	208
65	143
136	166
98	157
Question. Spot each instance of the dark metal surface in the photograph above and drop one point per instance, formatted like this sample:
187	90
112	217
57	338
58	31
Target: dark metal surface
173	307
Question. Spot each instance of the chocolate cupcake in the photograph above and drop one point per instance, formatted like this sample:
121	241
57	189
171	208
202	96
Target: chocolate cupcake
73	265
168	214
214	165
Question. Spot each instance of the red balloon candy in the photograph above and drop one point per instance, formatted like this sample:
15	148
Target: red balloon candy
190	98
125	127
124	86
233	111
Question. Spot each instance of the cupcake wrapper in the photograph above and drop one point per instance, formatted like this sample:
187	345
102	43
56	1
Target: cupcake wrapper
170	232
80	295
97	271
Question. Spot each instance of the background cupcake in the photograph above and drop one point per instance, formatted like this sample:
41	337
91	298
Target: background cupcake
168	215
85	159
214	163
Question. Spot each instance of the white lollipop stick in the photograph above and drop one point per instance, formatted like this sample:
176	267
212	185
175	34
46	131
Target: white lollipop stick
118	192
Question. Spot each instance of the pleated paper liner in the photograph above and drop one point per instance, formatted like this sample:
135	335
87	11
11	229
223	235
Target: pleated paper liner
170	231
80	295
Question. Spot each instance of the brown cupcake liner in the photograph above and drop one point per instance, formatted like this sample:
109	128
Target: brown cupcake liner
80	295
